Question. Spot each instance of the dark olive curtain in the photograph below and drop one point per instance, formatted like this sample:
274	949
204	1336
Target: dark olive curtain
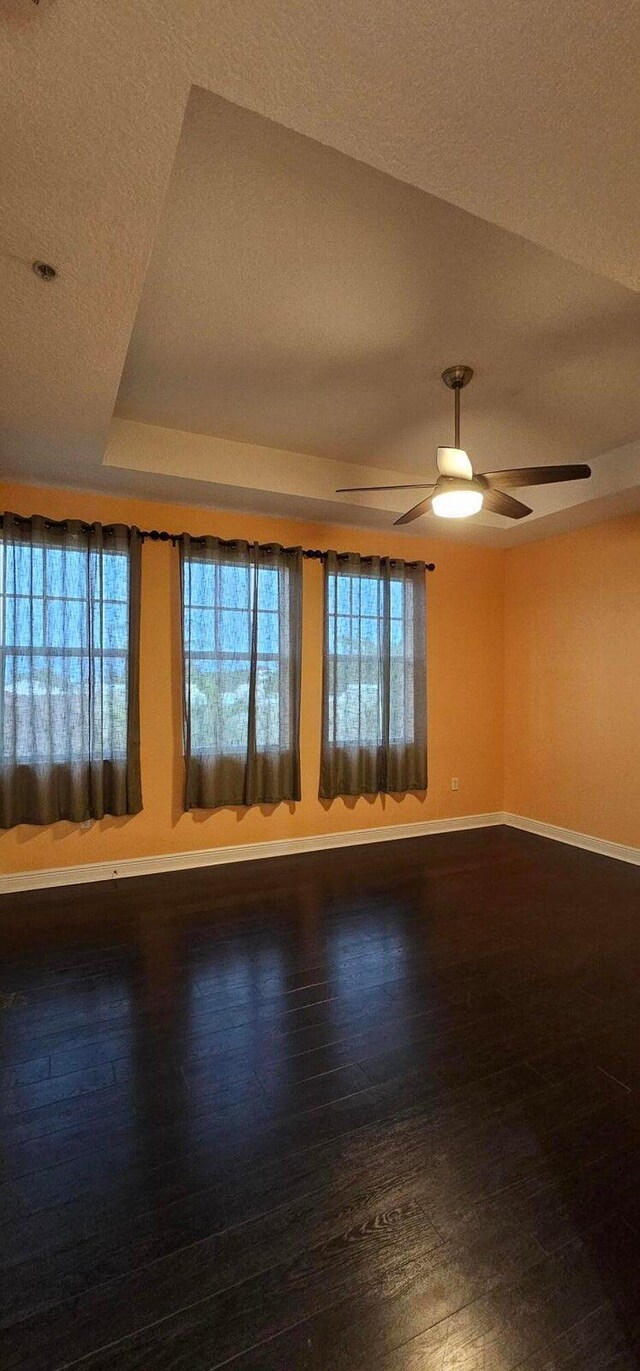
69	670
374	687
241	627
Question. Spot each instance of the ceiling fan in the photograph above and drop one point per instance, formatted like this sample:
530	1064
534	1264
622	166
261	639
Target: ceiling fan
457	493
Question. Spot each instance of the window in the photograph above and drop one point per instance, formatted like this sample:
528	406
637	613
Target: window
68	697
362	610
241	609
219	628
374	715
46	621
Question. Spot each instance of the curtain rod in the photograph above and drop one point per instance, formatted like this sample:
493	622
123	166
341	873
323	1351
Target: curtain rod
155	535
316	553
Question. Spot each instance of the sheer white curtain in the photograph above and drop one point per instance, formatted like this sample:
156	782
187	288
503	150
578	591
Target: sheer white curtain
374	688
69	631
241	624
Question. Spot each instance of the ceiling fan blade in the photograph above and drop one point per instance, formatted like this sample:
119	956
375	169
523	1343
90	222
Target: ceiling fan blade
499	503
422	507
416	485
454	461
535	476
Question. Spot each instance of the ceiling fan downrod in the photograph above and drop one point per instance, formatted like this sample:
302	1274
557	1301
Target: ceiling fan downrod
456	378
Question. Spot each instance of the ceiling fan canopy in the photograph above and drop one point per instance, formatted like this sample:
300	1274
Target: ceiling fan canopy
458	492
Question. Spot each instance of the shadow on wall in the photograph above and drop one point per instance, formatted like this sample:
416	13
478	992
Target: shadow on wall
383	800
24	834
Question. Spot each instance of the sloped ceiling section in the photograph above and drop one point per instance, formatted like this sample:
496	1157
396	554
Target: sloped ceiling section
523	115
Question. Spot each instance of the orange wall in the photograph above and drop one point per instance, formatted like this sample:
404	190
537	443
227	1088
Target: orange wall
572	698
466	654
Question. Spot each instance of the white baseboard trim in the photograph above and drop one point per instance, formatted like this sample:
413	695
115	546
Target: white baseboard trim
289	847
241	852
602	846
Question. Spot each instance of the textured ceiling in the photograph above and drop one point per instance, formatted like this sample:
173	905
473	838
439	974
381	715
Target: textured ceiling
525	114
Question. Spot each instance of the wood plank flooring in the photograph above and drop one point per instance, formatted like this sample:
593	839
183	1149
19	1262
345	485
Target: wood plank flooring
377	1108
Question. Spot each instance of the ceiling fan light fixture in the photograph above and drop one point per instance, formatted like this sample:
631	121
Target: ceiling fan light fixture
457	504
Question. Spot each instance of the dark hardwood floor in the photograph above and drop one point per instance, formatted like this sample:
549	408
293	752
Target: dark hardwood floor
376	1108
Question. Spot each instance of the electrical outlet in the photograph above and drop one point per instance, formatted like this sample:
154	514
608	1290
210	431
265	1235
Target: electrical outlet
455	784
85	825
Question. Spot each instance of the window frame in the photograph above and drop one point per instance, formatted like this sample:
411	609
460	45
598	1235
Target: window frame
48	652
356	617
218	654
